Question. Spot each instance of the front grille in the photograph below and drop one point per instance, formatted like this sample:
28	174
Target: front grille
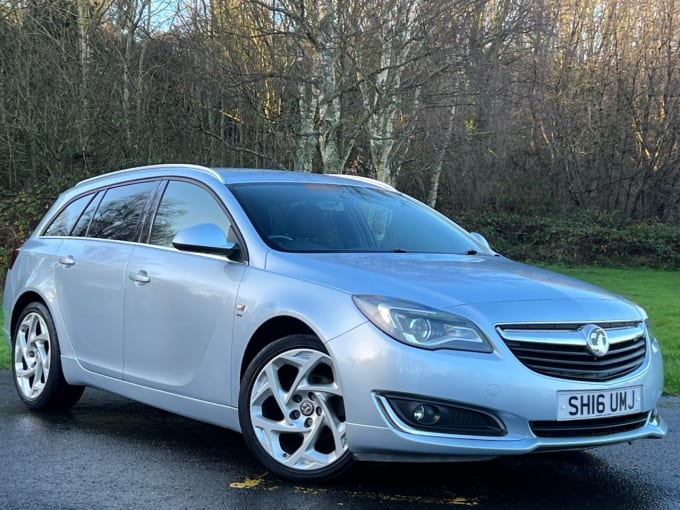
589	428
560	350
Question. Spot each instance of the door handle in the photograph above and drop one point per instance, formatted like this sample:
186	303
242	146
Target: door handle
67	261
140	277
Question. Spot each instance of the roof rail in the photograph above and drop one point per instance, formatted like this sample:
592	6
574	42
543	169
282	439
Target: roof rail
368	180
204	169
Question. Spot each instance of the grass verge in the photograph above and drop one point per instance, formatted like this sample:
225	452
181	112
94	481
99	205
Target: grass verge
657	291
4	348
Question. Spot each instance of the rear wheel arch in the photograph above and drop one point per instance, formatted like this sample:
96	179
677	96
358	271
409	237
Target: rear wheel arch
24	300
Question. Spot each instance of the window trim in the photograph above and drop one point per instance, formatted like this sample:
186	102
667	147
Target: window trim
98	194
149	214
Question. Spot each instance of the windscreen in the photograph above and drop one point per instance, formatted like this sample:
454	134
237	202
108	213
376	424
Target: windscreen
304	217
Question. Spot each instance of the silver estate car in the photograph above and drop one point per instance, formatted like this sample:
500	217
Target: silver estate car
327	318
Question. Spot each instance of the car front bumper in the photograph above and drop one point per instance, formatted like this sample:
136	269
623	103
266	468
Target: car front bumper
372	366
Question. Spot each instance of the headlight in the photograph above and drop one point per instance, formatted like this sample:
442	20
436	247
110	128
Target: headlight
421	326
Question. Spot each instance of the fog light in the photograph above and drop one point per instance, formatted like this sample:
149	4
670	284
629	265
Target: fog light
440	416
426	414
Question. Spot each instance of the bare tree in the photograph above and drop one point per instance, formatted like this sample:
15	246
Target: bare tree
515	104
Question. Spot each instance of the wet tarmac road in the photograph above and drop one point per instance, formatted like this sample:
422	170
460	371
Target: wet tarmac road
109	452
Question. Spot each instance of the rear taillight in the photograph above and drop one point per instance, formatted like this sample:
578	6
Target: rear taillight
12	257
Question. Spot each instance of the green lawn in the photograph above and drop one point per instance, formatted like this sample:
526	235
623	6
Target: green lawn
657	291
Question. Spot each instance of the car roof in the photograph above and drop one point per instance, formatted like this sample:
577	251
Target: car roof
232	175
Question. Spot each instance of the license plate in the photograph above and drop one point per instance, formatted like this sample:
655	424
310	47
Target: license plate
581	405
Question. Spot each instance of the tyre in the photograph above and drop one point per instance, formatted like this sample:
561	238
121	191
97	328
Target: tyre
292	412
36	366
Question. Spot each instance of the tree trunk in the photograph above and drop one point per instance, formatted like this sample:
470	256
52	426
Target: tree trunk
439	164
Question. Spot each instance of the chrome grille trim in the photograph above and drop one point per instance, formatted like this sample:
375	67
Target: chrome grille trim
559	350
571	336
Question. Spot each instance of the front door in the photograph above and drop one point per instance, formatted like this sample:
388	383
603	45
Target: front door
179	307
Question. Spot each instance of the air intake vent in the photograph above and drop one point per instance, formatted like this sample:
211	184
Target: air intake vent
589	428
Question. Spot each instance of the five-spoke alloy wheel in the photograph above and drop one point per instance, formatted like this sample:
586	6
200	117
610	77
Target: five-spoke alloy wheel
292	411
36	362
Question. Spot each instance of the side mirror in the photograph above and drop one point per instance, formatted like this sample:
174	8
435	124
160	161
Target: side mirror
205	238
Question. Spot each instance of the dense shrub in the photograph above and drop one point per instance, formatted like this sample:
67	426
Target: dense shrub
19	214
587	238
592	237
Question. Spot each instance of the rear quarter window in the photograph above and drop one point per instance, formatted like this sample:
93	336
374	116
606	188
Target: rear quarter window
63	223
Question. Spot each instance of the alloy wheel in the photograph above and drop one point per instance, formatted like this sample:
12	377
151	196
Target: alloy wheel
32	356
297	411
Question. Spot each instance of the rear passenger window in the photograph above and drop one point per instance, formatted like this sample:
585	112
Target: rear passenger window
183	205
63	223
120	212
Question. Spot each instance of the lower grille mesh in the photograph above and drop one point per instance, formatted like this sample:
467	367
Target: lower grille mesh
589	428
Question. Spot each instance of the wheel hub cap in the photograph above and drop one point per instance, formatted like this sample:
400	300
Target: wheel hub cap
307	408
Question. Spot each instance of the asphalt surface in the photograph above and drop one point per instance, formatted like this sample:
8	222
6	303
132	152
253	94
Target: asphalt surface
110	452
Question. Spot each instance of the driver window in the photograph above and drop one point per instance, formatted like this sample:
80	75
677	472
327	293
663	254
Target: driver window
183	205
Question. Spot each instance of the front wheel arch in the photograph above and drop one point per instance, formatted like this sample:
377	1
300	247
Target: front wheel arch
268	332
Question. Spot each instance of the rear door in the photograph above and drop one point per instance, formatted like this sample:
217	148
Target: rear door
179	306
90	274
